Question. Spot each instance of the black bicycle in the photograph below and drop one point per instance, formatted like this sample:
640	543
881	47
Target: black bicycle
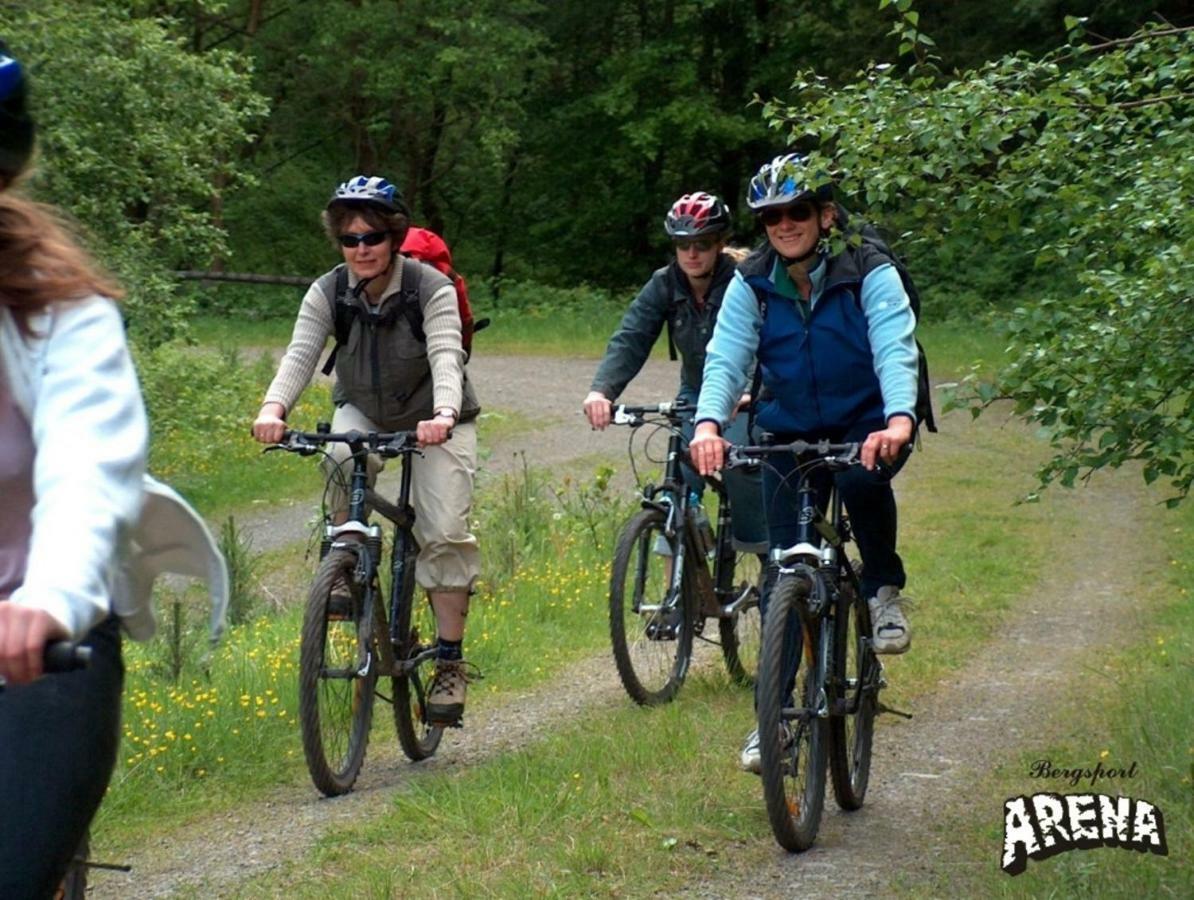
826	709
661	588
346	646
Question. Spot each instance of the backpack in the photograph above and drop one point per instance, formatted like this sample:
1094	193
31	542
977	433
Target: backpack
426	246
924	391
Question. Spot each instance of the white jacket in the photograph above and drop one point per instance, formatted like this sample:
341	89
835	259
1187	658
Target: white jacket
102	529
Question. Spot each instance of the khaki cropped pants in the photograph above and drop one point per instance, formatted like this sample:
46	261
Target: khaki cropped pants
441	493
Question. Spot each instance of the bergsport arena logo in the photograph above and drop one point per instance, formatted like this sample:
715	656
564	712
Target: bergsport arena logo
1046	824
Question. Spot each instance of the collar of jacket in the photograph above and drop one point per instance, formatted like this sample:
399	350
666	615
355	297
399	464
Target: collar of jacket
723	271
845	268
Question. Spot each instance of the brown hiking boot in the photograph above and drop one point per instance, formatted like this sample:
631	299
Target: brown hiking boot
445	699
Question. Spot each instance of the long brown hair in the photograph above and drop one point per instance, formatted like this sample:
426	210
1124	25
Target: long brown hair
41	262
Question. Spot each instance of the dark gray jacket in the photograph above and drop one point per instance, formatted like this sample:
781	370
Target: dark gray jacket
665	296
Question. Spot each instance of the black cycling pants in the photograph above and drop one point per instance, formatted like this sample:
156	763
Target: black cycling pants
58	743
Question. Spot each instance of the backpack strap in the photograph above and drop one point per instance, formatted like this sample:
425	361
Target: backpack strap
410	300
342	311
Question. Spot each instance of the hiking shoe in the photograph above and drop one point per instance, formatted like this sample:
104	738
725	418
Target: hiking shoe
445	699
750	759
891	630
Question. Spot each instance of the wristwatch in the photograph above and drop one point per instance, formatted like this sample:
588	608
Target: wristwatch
449	412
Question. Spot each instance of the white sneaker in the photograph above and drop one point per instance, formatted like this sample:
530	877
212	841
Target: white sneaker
892	633
750	759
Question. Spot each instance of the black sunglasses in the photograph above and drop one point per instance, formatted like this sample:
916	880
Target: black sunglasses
704	245
797	212
369	239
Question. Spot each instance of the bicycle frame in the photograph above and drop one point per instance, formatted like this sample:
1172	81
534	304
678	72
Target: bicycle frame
671	498
362	499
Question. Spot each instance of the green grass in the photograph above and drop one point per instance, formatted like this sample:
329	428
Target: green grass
1137	702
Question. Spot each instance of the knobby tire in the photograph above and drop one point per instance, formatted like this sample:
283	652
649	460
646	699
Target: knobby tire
793	771
855	677
651	669
414	631
334	712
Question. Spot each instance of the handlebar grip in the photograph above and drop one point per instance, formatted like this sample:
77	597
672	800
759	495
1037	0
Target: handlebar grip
63	656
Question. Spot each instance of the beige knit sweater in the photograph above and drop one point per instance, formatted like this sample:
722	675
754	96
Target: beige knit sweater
314	325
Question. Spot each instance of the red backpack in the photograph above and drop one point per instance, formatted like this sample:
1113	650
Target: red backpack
427	246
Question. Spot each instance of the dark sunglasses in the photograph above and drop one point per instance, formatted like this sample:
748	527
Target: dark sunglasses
369	239
704	245
797	212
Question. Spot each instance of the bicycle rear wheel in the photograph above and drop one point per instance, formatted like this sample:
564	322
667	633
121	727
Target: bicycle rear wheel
856	692
414	643
791	740
650	625
741	635
335	684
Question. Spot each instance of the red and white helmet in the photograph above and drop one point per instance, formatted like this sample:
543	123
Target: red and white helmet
696	215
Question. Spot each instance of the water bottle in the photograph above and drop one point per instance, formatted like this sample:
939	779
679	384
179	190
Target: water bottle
707	540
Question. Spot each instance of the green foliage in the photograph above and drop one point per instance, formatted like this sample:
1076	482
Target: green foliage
1083	157
243	571
138	137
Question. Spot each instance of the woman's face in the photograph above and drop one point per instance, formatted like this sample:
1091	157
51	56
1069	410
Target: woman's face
365	259
697	257
794	230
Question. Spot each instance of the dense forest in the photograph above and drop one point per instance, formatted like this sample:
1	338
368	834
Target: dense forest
1033	155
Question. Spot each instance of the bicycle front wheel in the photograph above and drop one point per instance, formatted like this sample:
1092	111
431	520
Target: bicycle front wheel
741	635
791	733
336	680
414	648
856	696
650	624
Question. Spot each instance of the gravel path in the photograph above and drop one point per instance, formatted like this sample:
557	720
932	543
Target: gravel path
984	713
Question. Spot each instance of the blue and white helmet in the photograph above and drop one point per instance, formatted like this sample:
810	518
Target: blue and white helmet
782	181
16	127
371	189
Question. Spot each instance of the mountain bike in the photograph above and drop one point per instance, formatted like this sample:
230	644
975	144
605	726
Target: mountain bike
823	719
661	589
345	647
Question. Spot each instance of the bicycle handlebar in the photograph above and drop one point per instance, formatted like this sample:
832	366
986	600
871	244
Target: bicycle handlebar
635	415
384	443
844	454
63	656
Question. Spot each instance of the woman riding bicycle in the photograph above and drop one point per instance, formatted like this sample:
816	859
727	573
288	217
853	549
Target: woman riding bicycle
833	367
400	367
73	444
686	296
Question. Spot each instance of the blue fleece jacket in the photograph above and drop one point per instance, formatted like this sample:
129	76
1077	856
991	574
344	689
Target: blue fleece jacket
839	362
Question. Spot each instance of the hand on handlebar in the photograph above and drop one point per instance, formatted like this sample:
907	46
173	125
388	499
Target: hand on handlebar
24	633
434	431
707	449
598	410
269	426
